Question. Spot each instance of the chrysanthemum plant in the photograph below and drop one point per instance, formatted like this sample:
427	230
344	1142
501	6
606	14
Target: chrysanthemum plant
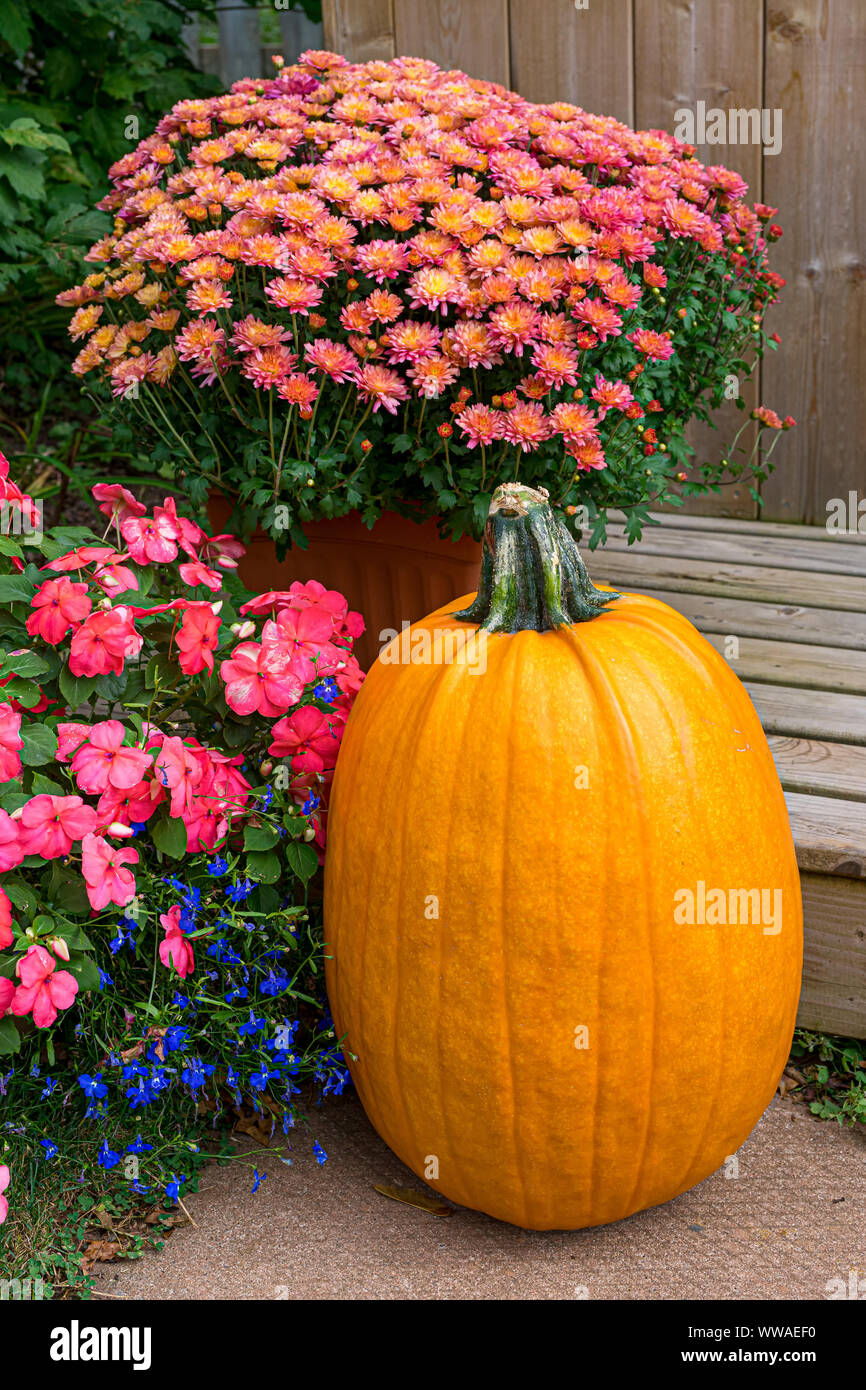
383	286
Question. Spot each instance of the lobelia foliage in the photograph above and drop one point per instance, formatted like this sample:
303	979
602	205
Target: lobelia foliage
166	747
381	285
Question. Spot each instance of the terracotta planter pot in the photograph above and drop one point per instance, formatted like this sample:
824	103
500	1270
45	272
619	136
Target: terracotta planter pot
396	572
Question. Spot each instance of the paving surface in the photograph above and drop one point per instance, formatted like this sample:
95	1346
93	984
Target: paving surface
793	1220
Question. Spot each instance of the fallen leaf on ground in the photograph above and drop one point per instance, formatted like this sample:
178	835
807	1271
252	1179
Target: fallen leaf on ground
424	1201
101	1250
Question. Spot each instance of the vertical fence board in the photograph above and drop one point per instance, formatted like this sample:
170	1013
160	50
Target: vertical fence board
685	53
815	60
455	34
240	45
360	29
297	34
562	53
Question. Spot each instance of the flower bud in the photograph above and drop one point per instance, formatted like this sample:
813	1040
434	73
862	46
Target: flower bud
226	562
216	608
123	832
310	833
244	629
59	947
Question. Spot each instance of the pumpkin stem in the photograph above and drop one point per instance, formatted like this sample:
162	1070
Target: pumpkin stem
532	576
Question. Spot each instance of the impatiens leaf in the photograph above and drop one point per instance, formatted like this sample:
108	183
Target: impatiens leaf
40	744
169	836
76	689
23	663
84	970
14	588
10	1038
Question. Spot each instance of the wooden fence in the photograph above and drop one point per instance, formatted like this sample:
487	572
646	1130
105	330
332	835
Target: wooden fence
641	61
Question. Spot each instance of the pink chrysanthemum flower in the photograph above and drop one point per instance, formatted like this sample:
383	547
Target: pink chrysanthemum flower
655	345
526	425
432	376
480	424
335	360
298	296
381	386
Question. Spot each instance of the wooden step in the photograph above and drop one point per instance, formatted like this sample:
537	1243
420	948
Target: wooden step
636	570
794	597
781	621
779	552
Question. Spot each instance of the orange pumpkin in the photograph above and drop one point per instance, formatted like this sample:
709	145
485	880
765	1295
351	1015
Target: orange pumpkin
561	895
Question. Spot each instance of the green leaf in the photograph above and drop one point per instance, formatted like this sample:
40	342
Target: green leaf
84	971
260	837
266	868
23	173
302	860
14	588
71	897
74	937
169	836
25	692
46	786
11	797
76	689
22	895
28	133
14	27
25	663
40	744
10	1038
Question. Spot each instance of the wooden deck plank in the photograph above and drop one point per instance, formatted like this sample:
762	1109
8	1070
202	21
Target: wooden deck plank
830	834
784	709
770	530
777	621
778	553
820	769
639	571
833	998
794	663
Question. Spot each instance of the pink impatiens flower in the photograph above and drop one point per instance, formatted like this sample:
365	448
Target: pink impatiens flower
150	538
5	921
108	881
116	502
260	679
11	743
103	643
4	1171
11	852
307	738
44	989
104	761
69	737
198	636
193	572
179	772
58	604
175	950
50	825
